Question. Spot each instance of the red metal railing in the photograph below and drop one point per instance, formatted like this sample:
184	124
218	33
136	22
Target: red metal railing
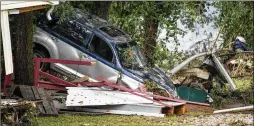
56	83
59	84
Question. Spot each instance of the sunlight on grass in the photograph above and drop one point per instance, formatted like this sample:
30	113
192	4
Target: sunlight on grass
243	83
100	120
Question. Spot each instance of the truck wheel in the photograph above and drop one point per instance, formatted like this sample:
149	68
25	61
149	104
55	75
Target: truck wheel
42	54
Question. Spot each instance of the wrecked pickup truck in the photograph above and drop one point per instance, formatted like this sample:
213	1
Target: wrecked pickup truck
84	36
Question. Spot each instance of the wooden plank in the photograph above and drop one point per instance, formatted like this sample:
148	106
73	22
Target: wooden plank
53	108
168	111
82	79
11	91
36	94
26	92
180	110
45	103
40	108
27	9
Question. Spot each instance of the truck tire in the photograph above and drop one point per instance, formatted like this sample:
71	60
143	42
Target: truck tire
38	53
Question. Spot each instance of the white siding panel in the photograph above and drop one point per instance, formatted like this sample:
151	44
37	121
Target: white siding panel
6	42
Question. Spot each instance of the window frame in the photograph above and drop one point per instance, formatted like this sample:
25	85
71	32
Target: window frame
97	56
84	43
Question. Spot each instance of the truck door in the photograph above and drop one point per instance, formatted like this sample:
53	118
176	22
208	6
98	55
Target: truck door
103	54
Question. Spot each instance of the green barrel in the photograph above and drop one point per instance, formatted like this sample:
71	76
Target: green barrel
192	94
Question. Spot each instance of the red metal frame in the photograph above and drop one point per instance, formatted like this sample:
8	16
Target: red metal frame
137	92
58	84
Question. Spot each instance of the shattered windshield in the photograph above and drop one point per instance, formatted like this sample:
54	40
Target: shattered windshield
130	55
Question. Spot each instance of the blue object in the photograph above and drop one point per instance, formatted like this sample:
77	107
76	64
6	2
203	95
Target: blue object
240	45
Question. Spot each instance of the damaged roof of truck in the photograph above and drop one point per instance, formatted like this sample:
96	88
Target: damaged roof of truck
102	26
96	24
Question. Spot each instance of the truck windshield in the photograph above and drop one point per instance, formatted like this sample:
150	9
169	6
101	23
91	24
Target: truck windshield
130	55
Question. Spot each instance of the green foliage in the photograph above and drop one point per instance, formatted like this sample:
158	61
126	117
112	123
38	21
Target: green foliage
64	10
145	20
168	59
99	8
243	94
132	17
31	115
127	56
153	87
236	18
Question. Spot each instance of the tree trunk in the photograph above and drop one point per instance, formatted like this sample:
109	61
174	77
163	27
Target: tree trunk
99	8
22	35
102	9
151	28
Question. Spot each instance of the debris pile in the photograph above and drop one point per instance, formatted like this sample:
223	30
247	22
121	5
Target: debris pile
17	112
193	86
116	102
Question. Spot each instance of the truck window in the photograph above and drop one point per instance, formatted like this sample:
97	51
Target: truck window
73	31
112	31
101	48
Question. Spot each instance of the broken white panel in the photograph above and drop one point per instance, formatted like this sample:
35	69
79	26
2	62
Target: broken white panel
147	108
6	42
224	72
131	109
81	96
142	108
185	62
131	83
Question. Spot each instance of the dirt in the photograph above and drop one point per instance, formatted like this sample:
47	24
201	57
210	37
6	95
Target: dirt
203	116
229	119
199	108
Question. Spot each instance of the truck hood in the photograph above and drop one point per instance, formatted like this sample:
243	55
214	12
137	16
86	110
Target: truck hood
158	76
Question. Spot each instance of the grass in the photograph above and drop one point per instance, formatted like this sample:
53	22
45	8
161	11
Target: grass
243	94
107	120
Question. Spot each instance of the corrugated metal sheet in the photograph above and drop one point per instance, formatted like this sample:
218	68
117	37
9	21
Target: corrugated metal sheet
82	96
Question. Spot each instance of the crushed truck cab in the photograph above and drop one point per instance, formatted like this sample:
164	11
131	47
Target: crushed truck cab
84	36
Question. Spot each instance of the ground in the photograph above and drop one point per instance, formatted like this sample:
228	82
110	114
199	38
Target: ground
189	119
